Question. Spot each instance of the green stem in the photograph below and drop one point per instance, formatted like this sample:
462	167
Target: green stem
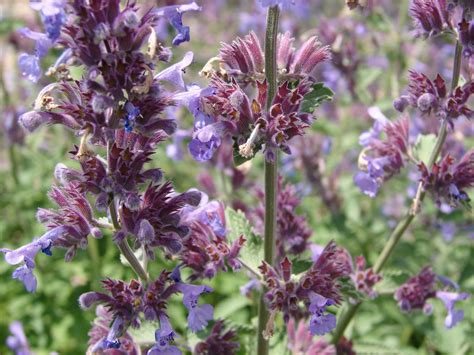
13	163
348	312
125	249
94	254
271	170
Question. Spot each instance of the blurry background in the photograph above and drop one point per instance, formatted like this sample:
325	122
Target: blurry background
372	52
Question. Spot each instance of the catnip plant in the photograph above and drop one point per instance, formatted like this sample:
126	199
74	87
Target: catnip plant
259	98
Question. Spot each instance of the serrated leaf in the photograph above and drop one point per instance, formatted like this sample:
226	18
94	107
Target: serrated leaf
238	224
315	98
424	146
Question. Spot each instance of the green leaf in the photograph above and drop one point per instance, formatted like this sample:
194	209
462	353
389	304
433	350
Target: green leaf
300	266
238	224
316	97
424	146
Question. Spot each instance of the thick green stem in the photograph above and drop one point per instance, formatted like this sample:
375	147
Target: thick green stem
271	169
348	312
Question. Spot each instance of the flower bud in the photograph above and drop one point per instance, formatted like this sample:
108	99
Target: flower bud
425	102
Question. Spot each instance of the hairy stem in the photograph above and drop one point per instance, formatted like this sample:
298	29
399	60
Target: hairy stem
271	170
348	312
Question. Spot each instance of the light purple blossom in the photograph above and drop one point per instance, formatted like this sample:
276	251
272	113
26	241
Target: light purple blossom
29	67
380	121
174	15
174	73
449	299
320	323
27	253
163	336
17	341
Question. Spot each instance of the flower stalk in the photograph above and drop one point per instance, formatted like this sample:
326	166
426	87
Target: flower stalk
348	312
271	170
125	249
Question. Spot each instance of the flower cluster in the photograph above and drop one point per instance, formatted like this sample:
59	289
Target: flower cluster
101	339
292	232
228	110
219	341
317	288
430	16
127	301
448	181
415	293
300	341
431	96
381	159
205	248
365	278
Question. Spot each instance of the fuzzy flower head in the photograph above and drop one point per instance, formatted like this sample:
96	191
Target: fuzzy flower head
430	16
156	219
205	248
293	231
365	278
414	293
381	159
432	97
320	282
447	181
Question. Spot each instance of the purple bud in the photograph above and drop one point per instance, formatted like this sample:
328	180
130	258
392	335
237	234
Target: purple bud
425	102
401	103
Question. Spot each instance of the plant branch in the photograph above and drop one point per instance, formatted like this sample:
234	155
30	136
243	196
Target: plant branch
348	312
271	170
125	249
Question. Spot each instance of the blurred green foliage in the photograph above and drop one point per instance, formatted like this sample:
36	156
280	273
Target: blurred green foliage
53	320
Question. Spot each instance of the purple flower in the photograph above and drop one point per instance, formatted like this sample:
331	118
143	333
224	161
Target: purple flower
17	341
365	278
174	15
449	299
27	253
218	342
381	159
246	289
132	113
414	293
163	336
431	16
53	17
29	67
205	142
174	73
380	121
293	231
320	323
448	181
101	338
198	316
301	341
